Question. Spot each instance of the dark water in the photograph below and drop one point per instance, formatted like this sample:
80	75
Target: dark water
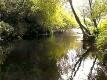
59	57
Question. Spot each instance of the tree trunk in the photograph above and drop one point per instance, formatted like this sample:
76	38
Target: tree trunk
93	19
83	28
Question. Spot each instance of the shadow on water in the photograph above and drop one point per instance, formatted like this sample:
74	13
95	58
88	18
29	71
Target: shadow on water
36	59
59	57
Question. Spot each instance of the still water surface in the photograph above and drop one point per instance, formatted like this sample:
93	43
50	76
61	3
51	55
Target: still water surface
59	57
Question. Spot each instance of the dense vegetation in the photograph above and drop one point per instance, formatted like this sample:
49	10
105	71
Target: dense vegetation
102	38
30	18
36	29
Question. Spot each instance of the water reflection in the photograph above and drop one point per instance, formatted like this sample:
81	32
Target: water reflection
77	66
59	57
83	64
36	59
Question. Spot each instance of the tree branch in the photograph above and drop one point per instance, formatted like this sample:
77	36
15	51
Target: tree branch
84	29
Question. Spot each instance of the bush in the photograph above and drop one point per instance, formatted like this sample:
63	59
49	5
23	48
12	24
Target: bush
5	27
102	38
5	30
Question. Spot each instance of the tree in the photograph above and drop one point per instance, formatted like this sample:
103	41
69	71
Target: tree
96	10
85	31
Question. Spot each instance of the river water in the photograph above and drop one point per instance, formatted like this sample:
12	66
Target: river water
59	57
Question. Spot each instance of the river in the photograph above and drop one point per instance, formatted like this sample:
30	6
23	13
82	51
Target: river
59	57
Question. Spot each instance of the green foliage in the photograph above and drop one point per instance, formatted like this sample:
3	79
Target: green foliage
5	27
13	11
36	15
52	13
102	38
15	5
99	8
94	11
69	20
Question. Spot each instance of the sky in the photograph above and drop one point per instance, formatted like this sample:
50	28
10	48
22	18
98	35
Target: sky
78	3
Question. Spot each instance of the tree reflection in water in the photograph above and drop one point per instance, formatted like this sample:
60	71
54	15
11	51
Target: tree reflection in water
60	57
85	65
36	59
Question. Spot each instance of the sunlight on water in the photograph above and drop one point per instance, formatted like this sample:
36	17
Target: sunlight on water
68	63
39	57
78	33
84	70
